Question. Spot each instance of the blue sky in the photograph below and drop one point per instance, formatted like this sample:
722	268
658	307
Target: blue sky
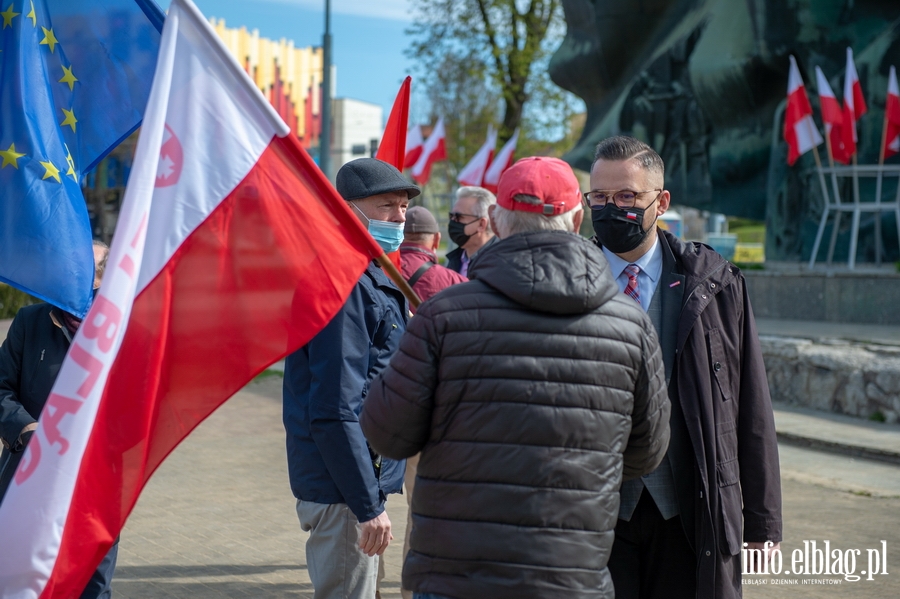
368	37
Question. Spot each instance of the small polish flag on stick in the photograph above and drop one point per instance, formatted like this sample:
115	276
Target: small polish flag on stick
504	159
434	150
234	255
891	135
833	118
800	130
854	104
414	145
473	173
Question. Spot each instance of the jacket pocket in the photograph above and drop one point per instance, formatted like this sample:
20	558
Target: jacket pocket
728	475
718	363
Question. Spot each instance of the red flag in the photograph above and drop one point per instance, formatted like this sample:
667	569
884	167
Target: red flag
833	118
892	116
393	142
473	173
227	256
800	130
414	145
854	104
435	150
504	159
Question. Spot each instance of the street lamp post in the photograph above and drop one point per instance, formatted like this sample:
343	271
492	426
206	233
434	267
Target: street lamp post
325	135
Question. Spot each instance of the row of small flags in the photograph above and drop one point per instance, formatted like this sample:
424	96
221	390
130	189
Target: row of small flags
802	134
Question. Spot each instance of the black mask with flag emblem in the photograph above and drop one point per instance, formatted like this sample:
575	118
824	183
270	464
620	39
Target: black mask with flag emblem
620	230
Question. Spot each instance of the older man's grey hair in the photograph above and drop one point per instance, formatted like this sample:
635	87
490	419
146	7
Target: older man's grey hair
509	222
622	147
483	199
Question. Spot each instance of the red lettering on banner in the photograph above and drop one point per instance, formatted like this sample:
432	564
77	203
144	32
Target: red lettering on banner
29	462
102	323
57	407
127	264
92	365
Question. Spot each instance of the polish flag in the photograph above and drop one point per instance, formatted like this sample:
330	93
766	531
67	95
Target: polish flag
631	215
473	172
222	264
892	116
854	104
414	145
800	130
504	159
393	142
434	150
833	118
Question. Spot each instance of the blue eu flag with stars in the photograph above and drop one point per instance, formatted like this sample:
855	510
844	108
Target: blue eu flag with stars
74	79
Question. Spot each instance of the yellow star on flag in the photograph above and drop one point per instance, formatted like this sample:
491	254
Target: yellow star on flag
49	39
50	171
8	16
70	119
71	163
10	157
69	78
32	16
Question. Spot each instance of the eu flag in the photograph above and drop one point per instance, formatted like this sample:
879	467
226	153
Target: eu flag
74	80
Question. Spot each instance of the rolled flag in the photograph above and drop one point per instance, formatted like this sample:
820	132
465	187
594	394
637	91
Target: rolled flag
434	150
473	173
892	116
833	117
414	145
231	251
392	148
854	104
800	130
502	161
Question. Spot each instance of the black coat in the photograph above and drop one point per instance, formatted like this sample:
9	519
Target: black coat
529	391
30	359
729	482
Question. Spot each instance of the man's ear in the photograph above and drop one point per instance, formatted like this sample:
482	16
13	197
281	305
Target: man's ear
491	218
578	219
436	241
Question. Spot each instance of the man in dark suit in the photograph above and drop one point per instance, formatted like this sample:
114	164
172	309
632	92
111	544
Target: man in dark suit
682	527
30	359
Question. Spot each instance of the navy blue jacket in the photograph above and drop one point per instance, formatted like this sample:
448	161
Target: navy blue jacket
325	385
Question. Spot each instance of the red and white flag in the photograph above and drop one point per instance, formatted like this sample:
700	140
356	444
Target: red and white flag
854	104
392	148
473	173
800	130
434	150
833	117
231	251
504	159
892	116
414	144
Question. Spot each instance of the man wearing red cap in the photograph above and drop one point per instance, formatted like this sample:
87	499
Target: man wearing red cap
529	390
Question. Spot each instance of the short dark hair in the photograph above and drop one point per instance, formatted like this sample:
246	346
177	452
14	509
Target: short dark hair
623	147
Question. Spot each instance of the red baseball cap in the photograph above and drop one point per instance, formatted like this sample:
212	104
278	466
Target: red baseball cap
549	179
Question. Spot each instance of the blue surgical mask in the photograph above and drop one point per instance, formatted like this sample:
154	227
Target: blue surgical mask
388	235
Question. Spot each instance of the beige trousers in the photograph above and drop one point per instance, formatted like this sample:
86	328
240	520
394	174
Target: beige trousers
409	481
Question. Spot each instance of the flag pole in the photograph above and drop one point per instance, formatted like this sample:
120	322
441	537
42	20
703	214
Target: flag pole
398	280
878	184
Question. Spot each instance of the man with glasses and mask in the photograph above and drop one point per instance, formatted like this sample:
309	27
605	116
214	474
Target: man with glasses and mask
469	226
341	485
681	528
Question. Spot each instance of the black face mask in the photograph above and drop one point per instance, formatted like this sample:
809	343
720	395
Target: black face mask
457	232
619	230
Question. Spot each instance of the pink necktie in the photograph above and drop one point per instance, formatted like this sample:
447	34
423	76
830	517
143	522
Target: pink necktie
631	289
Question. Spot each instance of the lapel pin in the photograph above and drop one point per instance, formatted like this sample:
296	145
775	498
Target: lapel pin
675	284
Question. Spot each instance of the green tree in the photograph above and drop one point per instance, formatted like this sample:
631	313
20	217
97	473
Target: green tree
497	50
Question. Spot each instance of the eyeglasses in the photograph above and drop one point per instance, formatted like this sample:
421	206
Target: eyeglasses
455	216
624	198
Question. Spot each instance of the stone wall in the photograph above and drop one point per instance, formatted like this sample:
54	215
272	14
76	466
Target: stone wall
835	376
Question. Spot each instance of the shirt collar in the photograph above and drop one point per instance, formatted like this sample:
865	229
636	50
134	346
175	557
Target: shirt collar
650	263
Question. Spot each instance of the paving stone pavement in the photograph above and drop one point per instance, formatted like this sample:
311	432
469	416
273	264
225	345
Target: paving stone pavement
217	519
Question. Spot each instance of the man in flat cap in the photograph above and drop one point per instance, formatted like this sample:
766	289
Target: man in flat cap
421	238
341	485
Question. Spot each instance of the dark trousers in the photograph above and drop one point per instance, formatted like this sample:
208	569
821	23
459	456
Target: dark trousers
100	584
651	557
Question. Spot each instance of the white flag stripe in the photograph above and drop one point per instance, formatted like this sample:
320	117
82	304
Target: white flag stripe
431	144
822	84
893	89
501	160
34	512
794	79
231	143
474	171
808	135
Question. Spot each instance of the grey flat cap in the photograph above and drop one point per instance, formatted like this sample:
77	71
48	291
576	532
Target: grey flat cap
420	220
365	177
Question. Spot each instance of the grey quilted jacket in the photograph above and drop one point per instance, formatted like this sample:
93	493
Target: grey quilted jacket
529	391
